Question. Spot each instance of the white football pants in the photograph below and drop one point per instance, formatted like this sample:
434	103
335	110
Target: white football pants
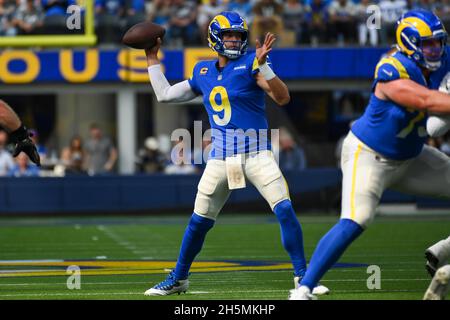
366	174
260	168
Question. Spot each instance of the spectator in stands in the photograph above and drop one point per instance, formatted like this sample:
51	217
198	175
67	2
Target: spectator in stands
267	18
391	11
181	162
317	22
28	18
7	27
55	16
6	159
73	157
425	4
23	167
109	15
342	21
183	23
291	157
101	155
55	7
114	8
158	11
294	18
150	159
442	9
135	12
206	12
363	30
244	8
135	7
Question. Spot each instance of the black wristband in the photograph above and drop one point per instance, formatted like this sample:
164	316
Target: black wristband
19	135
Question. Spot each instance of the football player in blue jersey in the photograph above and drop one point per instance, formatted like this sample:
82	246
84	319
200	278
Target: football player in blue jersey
385	148
233	87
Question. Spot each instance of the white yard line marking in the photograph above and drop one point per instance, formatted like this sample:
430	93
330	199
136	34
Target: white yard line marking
188	293
118	239
198	281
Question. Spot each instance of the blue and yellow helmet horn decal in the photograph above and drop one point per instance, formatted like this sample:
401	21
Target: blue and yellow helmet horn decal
227	22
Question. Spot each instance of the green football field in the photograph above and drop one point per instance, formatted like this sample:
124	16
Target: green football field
121	257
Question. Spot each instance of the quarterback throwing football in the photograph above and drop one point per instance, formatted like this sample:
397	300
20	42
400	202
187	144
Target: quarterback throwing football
233	87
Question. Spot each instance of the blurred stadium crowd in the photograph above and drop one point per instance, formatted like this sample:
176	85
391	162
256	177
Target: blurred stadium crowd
296	22
305	22
97	155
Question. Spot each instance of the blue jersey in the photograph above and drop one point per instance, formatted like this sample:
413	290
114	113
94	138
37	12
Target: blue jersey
388	128
235	105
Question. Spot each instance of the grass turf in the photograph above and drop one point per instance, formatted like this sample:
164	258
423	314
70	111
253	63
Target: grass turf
246	255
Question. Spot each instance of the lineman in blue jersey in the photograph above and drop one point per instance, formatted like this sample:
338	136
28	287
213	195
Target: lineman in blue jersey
233	88
385	147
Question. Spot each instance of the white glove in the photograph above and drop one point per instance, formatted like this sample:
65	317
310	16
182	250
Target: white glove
445	84
439	125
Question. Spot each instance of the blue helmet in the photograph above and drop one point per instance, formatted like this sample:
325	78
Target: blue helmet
415	27
227	21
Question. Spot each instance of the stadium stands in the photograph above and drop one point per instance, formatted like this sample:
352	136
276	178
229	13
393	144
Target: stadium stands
316	22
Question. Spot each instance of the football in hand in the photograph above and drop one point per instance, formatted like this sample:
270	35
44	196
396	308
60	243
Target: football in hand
143	35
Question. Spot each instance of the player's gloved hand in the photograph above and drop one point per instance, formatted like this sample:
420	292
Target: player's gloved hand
22	143
445	84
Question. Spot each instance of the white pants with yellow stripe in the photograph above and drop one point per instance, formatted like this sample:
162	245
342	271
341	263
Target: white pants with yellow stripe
260	168
366	174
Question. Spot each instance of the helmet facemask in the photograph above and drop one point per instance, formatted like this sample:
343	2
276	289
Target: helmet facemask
432	50
233	49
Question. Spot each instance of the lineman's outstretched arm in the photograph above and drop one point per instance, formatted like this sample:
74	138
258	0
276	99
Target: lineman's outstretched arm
412	95
179	92
8	118
18	133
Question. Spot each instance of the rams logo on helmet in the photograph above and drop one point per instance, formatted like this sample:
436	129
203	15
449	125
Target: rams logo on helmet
414	30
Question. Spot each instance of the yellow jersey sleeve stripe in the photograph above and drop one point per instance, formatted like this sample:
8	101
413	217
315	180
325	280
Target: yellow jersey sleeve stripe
396	64
255	64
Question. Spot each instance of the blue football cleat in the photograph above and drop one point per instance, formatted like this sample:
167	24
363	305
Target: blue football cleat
169	286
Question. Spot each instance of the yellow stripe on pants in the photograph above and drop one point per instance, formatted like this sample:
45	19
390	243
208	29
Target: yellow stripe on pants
352	195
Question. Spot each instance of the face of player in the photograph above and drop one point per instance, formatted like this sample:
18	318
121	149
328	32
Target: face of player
432	49
232	40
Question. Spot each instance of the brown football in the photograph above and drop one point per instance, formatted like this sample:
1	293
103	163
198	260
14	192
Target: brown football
143	35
